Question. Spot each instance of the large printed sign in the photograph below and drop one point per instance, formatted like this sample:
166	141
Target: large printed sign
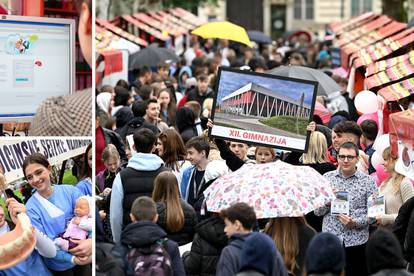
13	152
263	109
402	142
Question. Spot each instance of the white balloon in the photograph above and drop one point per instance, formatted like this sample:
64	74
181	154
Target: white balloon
381	143
376	159
366	102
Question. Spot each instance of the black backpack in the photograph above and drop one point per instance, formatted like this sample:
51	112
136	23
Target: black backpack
106	263
152	260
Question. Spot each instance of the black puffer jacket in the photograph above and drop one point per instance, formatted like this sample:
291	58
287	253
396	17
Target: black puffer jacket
208	243
123	116
190	220
404	231
409	244
133	125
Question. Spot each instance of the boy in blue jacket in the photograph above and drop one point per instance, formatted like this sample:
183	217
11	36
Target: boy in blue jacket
239	220
198	149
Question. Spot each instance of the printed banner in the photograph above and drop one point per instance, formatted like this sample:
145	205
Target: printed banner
13	152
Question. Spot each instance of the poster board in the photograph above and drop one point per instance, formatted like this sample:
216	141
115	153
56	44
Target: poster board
263	109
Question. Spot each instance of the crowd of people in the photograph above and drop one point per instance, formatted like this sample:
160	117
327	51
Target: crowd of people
154	160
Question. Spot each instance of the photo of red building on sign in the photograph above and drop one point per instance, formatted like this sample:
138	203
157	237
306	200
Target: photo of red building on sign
255	100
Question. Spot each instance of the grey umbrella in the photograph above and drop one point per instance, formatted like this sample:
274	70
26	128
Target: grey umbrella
326	84
259	37
151	56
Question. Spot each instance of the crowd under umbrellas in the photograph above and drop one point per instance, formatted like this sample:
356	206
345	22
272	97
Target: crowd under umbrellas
231	208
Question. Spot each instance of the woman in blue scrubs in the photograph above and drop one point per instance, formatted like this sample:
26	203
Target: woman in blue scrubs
50	209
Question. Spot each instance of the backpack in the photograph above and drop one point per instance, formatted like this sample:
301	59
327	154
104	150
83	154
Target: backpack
152	260
106	263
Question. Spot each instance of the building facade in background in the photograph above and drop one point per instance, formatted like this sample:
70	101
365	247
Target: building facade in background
312	15
275	17
212	12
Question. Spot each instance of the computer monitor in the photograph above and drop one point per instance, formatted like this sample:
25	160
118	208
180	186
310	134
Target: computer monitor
37	61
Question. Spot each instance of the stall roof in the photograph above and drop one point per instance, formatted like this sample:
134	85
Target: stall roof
364	29
106	40
142	26
155	23
188	21
103	38
384	48
382	65
397	72
188	27
169	25
356	25
337	27
372	37
121	32
187	16
398	90
382	33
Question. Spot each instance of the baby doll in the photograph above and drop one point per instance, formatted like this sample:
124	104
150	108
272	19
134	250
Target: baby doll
80	225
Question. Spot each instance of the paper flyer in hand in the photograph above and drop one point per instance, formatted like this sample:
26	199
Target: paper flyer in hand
376	206
341	204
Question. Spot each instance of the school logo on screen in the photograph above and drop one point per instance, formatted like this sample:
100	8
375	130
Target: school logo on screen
19	45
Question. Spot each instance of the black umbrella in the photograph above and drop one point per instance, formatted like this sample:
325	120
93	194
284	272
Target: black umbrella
326	84
259	37
151	56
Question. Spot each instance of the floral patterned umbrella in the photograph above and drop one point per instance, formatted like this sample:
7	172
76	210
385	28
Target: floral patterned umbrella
274	189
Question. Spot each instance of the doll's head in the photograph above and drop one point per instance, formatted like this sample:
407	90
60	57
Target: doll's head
82	207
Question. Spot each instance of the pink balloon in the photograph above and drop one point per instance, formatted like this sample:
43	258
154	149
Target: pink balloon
381	173
369	116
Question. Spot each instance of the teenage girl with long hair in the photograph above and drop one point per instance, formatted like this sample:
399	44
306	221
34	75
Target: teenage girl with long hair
291	236
176	216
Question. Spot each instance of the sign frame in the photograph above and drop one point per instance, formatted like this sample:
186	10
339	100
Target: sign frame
277	139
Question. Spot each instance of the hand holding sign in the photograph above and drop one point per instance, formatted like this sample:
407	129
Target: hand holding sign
210	123
379	220
346	220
